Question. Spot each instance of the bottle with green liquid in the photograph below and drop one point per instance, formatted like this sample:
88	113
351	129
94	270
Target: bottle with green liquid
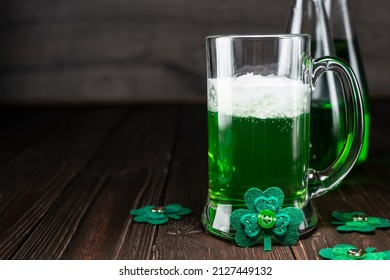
347	47
327	124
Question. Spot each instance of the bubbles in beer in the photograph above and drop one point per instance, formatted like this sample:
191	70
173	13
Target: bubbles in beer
257	96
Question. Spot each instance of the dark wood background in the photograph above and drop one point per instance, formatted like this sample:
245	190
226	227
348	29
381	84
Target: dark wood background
146	50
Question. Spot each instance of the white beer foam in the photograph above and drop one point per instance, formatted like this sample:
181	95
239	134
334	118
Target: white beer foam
258	96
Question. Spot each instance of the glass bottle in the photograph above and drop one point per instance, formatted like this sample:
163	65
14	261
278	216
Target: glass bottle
327	125
347	47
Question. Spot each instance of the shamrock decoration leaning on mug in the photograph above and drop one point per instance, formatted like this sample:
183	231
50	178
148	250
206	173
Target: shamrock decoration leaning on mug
264	218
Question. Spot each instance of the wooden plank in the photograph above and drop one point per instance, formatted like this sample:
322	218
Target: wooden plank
112	84
58	35
101	62
60	46
32	183
111	58
21	127
130	171
72	10
187	185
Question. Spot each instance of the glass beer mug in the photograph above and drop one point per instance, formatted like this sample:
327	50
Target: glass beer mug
259	90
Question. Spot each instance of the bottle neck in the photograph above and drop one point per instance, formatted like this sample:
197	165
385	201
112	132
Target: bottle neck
340	19
310	17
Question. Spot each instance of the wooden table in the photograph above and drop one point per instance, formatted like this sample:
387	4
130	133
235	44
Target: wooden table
69	176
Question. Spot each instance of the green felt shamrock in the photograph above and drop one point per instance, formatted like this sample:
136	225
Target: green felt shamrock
265	218
358	221
158	215
349	252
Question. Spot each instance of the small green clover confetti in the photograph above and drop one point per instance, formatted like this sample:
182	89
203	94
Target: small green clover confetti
358	221
158	215
349	252
265	218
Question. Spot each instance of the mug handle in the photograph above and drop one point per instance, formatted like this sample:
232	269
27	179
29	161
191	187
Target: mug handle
325	180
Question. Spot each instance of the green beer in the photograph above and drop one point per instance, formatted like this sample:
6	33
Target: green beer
258	136
262	153
327	135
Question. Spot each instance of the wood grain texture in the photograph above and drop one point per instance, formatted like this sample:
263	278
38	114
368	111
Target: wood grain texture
30	129
140	154
98	51
82	10
66	191
31	183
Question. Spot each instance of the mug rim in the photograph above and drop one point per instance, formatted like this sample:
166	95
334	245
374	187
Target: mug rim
259	36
